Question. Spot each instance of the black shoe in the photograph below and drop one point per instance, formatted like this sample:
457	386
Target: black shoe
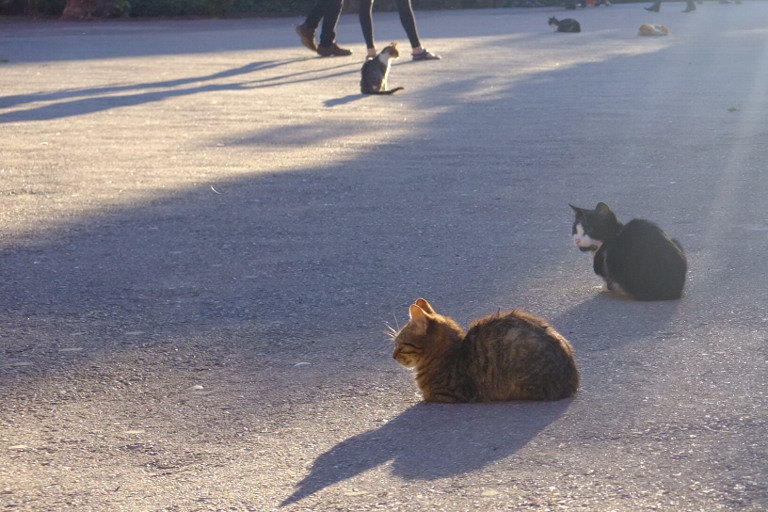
307	36
652	9
333	50
425	55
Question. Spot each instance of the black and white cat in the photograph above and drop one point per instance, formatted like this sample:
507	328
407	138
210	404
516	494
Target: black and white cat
637	259
566	25
375	72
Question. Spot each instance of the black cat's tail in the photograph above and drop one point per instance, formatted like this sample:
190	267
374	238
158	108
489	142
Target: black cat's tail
384	93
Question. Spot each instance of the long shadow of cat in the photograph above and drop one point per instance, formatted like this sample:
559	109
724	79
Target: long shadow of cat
344	100
431	441
607	320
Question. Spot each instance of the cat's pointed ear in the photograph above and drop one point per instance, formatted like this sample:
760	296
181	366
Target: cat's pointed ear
426	306
605	212
393	44
603	209
578	211
419	318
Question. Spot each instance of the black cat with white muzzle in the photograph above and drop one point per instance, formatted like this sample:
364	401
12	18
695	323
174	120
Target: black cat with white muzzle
637	259
566	25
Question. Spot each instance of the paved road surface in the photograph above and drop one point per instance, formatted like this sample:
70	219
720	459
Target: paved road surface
205	230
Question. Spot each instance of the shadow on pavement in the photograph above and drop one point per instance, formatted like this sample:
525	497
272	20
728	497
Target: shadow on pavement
11	101
639	319
431	441
438	215
70	103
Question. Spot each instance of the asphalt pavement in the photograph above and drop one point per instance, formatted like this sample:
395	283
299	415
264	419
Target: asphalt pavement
205	230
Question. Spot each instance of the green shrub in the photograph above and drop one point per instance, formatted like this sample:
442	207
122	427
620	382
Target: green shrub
149	8
281	7
32	7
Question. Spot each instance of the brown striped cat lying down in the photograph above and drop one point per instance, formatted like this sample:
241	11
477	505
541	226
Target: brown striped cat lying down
503	356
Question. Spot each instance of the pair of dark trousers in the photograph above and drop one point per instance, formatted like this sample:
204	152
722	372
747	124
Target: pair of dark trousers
328	11
689	5
406	18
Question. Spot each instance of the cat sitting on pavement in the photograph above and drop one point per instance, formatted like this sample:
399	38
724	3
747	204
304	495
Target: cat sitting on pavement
375	72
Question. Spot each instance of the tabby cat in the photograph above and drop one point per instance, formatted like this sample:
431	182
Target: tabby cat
637	259
503	356
566	25
375	72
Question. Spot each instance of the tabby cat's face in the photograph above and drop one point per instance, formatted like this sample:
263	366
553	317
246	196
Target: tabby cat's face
593	227
409	348
426	334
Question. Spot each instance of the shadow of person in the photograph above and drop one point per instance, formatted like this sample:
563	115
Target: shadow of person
65	103
432	441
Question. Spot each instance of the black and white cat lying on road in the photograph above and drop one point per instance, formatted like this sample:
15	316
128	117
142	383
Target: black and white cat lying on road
566	25
637	259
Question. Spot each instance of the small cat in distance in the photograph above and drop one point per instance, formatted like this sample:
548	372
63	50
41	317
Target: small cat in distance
638	259
565	25
375	72
503	356
653	29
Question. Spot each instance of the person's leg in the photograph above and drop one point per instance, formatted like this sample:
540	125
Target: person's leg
306	30
409	24
366	24
315	15
408	21
689	6
331	13
328	46
655	7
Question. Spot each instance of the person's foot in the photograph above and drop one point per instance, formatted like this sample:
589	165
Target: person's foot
333	50
689	9
425	55
307	36
652	9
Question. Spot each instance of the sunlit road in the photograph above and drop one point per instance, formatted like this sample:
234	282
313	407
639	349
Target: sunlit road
205	229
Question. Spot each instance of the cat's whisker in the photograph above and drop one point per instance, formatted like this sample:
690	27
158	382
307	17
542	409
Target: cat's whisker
391	332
